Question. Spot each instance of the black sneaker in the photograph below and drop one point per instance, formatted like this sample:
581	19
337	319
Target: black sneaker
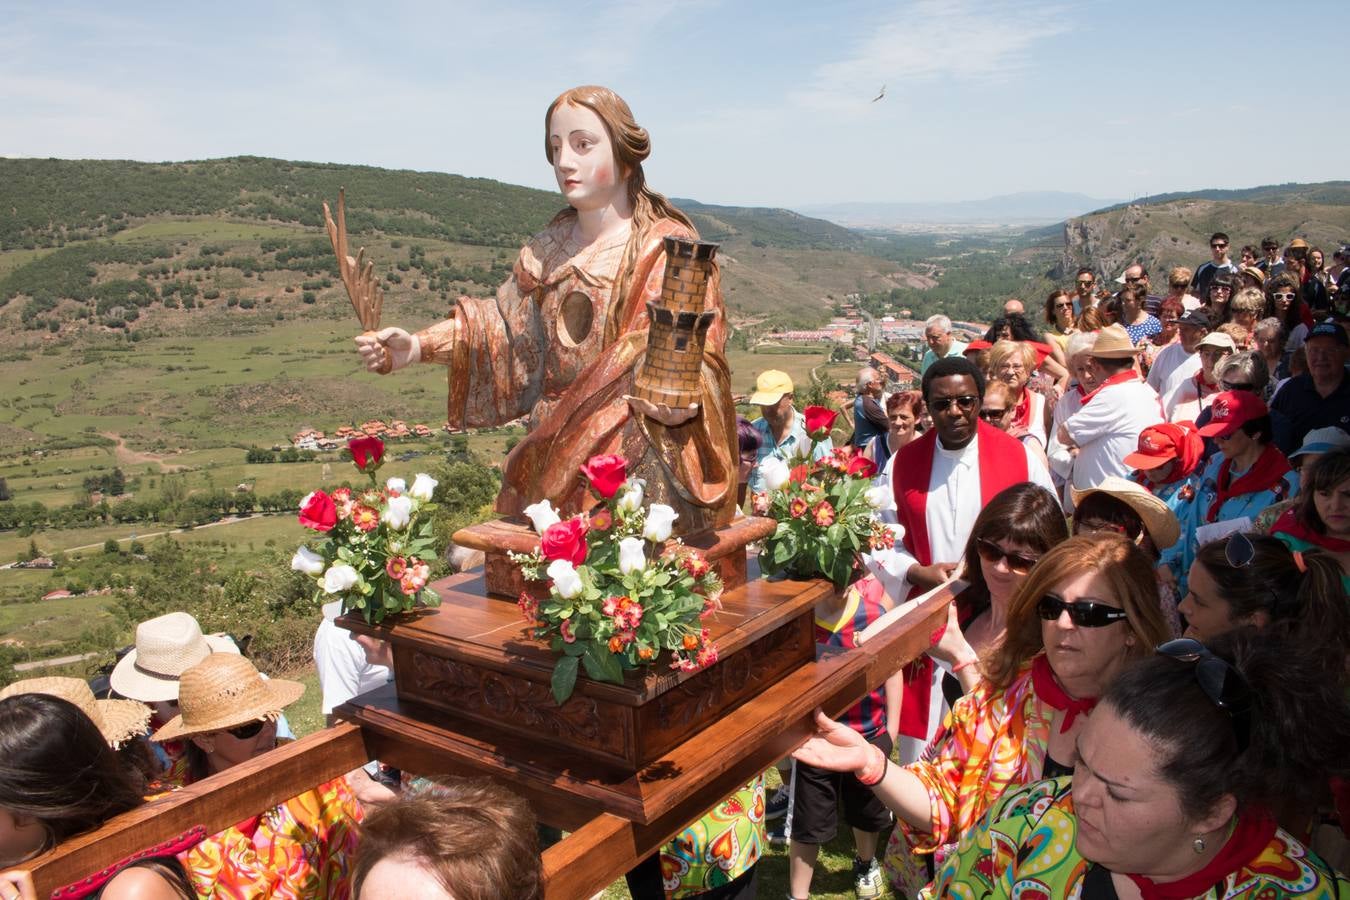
777	804
777	833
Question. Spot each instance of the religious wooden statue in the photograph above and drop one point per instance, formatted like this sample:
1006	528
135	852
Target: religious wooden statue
565	338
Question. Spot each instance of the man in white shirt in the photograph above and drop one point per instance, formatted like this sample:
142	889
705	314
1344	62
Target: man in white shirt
1084	374
1179	360
1107	428
343	669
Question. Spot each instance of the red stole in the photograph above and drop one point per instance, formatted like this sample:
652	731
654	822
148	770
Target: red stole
1264	474
1290	525
1119	378
1254	831
1003	463
1048	689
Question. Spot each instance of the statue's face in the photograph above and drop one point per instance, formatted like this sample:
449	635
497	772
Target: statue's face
583	159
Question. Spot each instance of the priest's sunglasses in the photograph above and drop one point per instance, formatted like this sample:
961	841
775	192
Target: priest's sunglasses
965	403
1082	613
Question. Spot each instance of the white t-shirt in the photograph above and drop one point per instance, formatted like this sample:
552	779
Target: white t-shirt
343	670
1107	429
1171	359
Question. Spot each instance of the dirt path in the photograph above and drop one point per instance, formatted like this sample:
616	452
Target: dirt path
128	457
228	520
58	661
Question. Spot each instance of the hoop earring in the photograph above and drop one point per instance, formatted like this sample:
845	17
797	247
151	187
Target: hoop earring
1198	845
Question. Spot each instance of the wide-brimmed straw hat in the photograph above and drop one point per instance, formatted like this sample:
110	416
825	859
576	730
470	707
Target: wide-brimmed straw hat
166	647
225	691
117	720
1159	521
1113	342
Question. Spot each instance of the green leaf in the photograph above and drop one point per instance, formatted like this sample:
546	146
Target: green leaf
601	664
564	678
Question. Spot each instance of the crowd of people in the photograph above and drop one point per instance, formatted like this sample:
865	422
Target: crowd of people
1143	506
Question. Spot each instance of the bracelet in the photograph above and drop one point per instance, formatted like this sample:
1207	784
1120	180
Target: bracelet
974	661
866	778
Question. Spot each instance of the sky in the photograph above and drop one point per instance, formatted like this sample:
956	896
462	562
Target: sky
747	103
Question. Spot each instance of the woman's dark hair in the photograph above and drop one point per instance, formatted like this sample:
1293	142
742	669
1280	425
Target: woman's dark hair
1296	730
1325	473
475	837
1103	507
1307	603
1017	323
1259	429
58	768
949	366
1025	514
747	436
1293	317
1050	305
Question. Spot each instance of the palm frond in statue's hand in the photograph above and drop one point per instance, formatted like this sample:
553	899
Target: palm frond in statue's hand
357	273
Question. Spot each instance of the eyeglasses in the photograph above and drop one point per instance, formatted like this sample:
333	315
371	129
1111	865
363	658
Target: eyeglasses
1063	306
1129	280
1240	553
991	415
1083	613
1284	295
1101	526
964	403
992	553
1222	683
247	732
1236	385
1218	246
1086	283
1169	320
1220	287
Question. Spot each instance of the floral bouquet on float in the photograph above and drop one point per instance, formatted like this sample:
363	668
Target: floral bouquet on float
824	508
377	540
618	594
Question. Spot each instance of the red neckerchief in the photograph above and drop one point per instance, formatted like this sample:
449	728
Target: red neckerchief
1268	469
1082	392
1119	378
1290	525
1047	688
1201	384
1022	412
1254	831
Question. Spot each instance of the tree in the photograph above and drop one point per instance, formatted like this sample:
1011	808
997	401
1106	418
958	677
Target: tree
110	546
4	490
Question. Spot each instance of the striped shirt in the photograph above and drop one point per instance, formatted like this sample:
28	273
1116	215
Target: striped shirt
862	607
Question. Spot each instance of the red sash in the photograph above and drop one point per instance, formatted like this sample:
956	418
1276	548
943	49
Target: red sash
1003	463
1119	378
1268	470
1254	831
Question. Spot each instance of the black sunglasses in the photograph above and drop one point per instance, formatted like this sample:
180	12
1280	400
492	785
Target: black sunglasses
992	553
964	403
1217	246
992	415
1236	385
247	732
1083	613
1222	683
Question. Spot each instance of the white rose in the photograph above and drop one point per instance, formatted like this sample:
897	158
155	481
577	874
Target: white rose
659	521
630	497
398	513
875	497
775	473
307	561
542	515
340	578
631	556
565	578
423	487
396	486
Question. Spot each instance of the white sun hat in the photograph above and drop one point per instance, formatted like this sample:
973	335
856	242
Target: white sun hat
166	647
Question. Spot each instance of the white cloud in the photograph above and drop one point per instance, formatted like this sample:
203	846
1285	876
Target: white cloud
932	39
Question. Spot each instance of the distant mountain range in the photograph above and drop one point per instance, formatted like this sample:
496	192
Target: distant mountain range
1026	208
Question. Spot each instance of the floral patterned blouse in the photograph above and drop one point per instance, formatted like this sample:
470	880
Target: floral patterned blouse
302	848
1025	847
718	848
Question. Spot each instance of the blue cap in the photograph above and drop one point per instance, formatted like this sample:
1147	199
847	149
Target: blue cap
1330	329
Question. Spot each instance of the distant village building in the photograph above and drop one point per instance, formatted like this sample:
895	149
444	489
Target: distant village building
37	562
57	595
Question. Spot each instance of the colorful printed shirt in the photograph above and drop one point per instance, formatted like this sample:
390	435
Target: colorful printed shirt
862	607
718	848
1025	847
300	849
992	739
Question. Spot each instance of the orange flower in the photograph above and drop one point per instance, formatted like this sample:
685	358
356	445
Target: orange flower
690	641
797	508
824	514
616	644
365	518
646	653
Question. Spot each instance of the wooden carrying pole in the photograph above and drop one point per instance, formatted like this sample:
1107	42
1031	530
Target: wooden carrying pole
601	847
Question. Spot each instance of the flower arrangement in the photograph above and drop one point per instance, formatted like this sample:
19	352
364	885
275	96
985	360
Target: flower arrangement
378	539
618	593
824	508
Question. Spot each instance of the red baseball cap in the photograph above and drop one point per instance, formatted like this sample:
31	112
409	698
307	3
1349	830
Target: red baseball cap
1231	410
1157	447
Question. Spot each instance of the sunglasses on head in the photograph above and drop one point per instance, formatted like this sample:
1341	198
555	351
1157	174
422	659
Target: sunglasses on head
1222	683
1083	613
247	732
991	553
964	403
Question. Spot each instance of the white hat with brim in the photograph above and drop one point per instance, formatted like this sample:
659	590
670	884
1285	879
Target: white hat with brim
1159	521
166	647
1323	440
117	720
225	691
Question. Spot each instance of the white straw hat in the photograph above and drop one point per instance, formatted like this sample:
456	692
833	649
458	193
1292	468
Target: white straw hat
117	720
224	691
166	647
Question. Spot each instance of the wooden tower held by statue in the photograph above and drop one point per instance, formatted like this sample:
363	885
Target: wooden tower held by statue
679	326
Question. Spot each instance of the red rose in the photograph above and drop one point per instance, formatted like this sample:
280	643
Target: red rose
318	512
799	474
819	421
606	473
861	466
565	540
367	452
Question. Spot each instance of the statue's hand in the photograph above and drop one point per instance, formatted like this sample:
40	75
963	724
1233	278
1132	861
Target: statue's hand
395	344
671	418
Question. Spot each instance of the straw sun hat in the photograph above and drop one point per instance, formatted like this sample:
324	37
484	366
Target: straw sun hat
1159	521
166	647
117	720
225	691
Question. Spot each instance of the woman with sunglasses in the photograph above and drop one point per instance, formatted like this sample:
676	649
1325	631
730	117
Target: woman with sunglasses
1176	772
1286	304
300	848
1059	316
1087	609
